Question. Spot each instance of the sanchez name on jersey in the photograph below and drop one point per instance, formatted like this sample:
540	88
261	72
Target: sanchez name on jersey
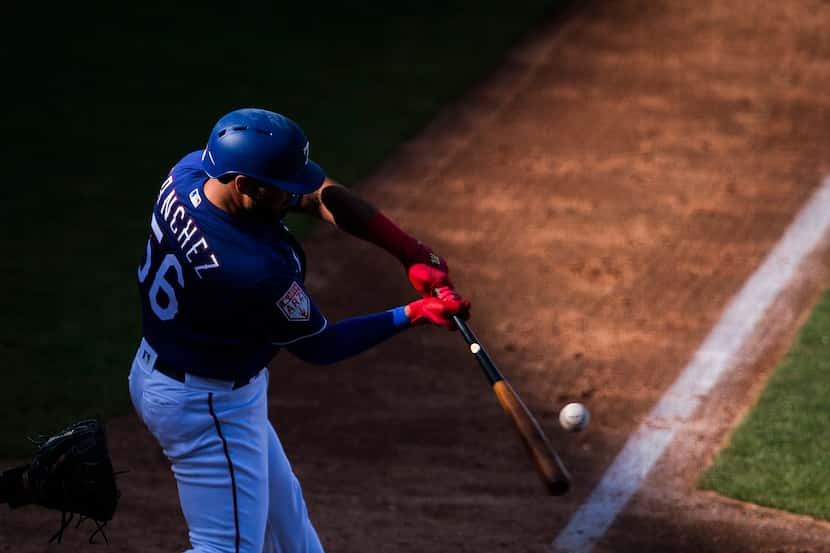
219	294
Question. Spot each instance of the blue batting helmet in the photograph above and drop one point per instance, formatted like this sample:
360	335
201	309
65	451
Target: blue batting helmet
265	146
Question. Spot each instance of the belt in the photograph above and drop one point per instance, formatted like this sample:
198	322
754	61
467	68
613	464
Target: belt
181	376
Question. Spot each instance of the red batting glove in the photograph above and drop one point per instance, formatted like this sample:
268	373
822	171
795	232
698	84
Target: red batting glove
427	277
425	269
438	311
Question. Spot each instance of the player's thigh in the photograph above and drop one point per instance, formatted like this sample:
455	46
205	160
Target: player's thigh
222	473
290	528
221	508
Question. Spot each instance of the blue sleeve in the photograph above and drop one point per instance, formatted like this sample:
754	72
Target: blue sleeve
349	337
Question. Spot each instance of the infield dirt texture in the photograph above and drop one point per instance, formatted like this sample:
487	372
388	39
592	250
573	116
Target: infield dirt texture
600	198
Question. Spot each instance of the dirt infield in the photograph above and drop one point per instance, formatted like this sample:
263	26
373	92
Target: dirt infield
600	198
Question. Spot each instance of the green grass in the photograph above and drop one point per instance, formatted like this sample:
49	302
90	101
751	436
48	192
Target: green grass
100	103
778	457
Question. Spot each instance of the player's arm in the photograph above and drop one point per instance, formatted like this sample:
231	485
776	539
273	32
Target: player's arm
284	312
350	337
354	215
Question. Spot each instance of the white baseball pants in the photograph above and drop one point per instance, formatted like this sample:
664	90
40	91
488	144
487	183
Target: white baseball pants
236	487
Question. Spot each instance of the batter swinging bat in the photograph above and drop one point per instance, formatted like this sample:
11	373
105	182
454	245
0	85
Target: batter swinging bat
550	468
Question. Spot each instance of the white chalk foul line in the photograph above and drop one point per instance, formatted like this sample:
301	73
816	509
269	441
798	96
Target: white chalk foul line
717	354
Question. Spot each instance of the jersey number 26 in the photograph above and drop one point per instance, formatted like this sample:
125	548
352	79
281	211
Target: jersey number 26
162	295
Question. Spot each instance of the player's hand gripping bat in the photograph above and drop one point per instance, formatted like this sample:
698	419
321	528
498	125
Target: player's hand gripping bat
550	468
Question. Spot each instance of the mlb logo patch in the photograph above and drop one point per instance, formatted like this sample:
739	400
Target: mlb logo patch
195	197
294	304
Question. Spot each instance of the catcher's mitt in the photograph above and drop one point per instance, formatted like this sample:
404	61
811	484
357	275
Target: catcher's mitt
72	472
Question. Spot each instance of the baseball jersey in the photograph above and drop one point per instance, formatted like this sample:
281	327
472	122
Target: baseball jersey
219	294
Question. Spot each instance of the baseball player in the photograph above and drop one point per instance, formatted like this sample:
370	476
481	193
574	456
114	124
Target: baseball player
221	286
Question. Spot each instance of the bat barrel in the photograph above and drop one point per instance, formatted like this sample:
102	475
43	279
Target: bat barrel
550	468
548	464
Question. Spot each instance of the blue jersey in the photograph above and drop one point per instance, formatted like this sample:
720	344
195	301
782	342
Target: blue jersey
219	295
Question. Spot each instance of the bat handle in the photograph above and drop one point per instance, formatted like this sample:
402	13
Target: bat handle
481	355
490	370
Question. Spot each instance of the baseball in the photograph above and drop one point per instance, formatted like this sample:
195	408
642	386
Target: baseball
574	417
475	348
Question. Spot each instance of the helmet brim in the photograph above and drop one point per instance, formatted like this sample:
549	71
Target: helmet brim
306	180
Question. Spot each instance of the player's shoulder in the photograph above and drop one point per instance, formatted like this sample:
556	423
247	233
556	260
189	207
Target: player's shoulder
255	267
248	261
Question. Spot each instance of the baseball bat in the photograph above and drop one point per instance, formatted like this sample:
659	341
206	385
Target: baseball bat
548	464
